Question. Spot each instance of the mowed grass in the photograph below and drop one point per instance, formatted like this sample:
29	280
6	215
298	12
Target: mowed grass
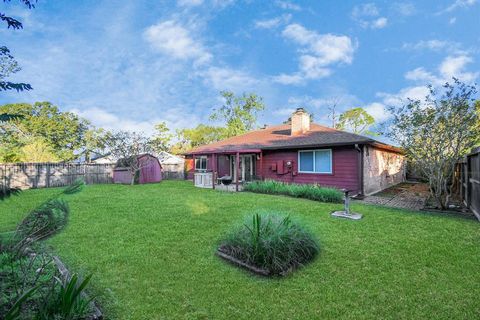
151	250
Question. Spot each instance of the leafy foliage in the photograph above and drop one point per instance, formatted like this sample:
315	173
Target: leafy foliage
8	192
68	303
238	115
44	129
271	242
14	311
96	142
307	191
437	132
356	120
162	139
8	65
238	112
200	135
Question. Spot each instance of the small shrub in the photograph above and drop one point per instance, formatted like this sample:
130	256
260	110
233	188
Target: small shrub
271	242
307	191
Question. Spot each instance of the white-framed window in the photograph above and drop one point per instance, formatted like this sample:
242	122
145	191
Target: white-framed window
201	163
315	161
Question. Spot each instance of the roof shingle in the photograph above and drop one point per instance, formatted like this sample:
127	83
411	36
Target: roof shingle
279	137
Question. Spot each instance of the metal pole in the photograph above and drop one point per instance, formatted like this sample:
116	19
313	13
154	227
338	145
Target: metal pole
347	202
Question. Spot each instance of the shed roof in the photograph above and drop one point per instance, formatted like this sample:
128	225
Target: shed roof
279	137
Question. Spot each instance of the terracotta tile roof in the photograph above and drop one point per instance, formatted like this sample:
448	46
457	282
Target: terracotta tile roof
278	137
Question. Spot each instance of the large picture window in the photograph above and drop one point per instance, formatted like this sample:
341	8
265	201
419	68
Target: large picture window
201	163
315	161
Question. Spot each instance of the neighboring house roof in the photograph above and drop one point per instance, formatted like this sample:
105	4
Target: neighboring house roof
168	158
279	137
106	158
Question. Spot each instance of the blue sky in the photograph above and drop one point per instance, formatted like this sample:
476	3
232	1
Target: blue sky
131	64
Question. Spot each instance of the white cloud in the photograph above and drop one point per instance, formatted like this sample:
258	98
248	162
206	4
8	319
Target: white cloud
377	111
189	3
404	8
379	23
175	40
109	121
273	23
367	15
318	52
433	44
287	5
451	66
101	118
313	67
365	10
457	4
286	79
421	75
452	20
399	98
454	66
222	78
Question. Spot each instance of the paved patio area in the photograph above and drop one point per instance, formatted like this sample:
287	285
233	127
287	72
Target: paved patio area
412	196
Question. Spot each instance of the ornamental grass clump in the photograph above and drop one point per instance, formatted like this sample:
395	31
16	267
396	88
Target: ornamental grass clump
307	191
272	243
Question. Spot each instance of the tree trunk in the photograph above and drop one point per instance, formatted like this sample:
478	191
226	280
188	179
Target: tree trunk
132	182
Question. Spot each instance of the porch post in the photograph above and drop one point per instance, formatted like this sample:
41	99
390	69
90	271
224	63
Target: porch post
237	169
261	165
214	160
193	169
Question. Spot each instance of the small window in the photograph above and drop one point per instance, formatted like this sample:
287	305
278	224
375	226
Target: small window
201	163
315	161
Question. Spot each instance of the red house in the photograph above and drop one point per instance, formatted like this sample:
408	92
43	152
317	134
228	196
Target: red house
300	152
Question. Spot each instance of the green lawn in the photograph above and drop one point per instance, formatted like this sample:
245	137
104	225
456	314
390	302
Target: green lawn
151	250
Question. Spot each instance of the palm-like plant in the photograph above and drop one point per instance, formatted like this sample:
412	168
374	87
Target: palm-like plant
272	243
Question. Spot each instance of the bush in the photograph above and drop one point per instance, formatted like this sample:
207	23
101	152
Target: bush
307	191
30	285
271	242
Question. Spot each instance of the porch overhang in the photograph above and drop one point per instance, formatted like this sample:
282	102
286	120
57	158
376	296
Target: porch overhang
240	151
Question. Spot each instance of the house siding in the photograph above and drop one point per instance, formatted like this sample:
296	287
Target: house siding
345	171
381	169
222	166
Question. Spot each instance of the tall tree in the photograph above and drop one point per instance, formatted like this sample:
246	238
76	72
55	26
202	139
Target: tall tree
238	112
356	120
95	142
8	64
436	133
162	139
37	150
63	131
194	137
332	110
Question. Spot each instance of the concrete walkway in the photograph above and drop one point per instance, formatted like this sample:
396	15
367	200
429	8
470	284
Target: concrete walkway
411	196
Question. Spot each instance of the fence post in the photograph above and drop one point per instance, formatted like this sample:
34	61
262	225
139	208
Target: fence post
47	178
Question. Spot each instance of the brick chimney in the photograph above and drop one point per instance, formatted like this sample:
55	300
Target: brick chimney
300	122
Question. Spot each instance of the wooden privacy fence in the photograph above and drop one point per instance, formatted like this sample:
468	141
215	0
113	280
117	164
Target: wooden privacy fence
173	171
45	175
470	181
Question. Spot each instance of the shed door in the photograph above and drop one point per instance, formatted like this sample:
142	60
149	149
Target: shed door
151	172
